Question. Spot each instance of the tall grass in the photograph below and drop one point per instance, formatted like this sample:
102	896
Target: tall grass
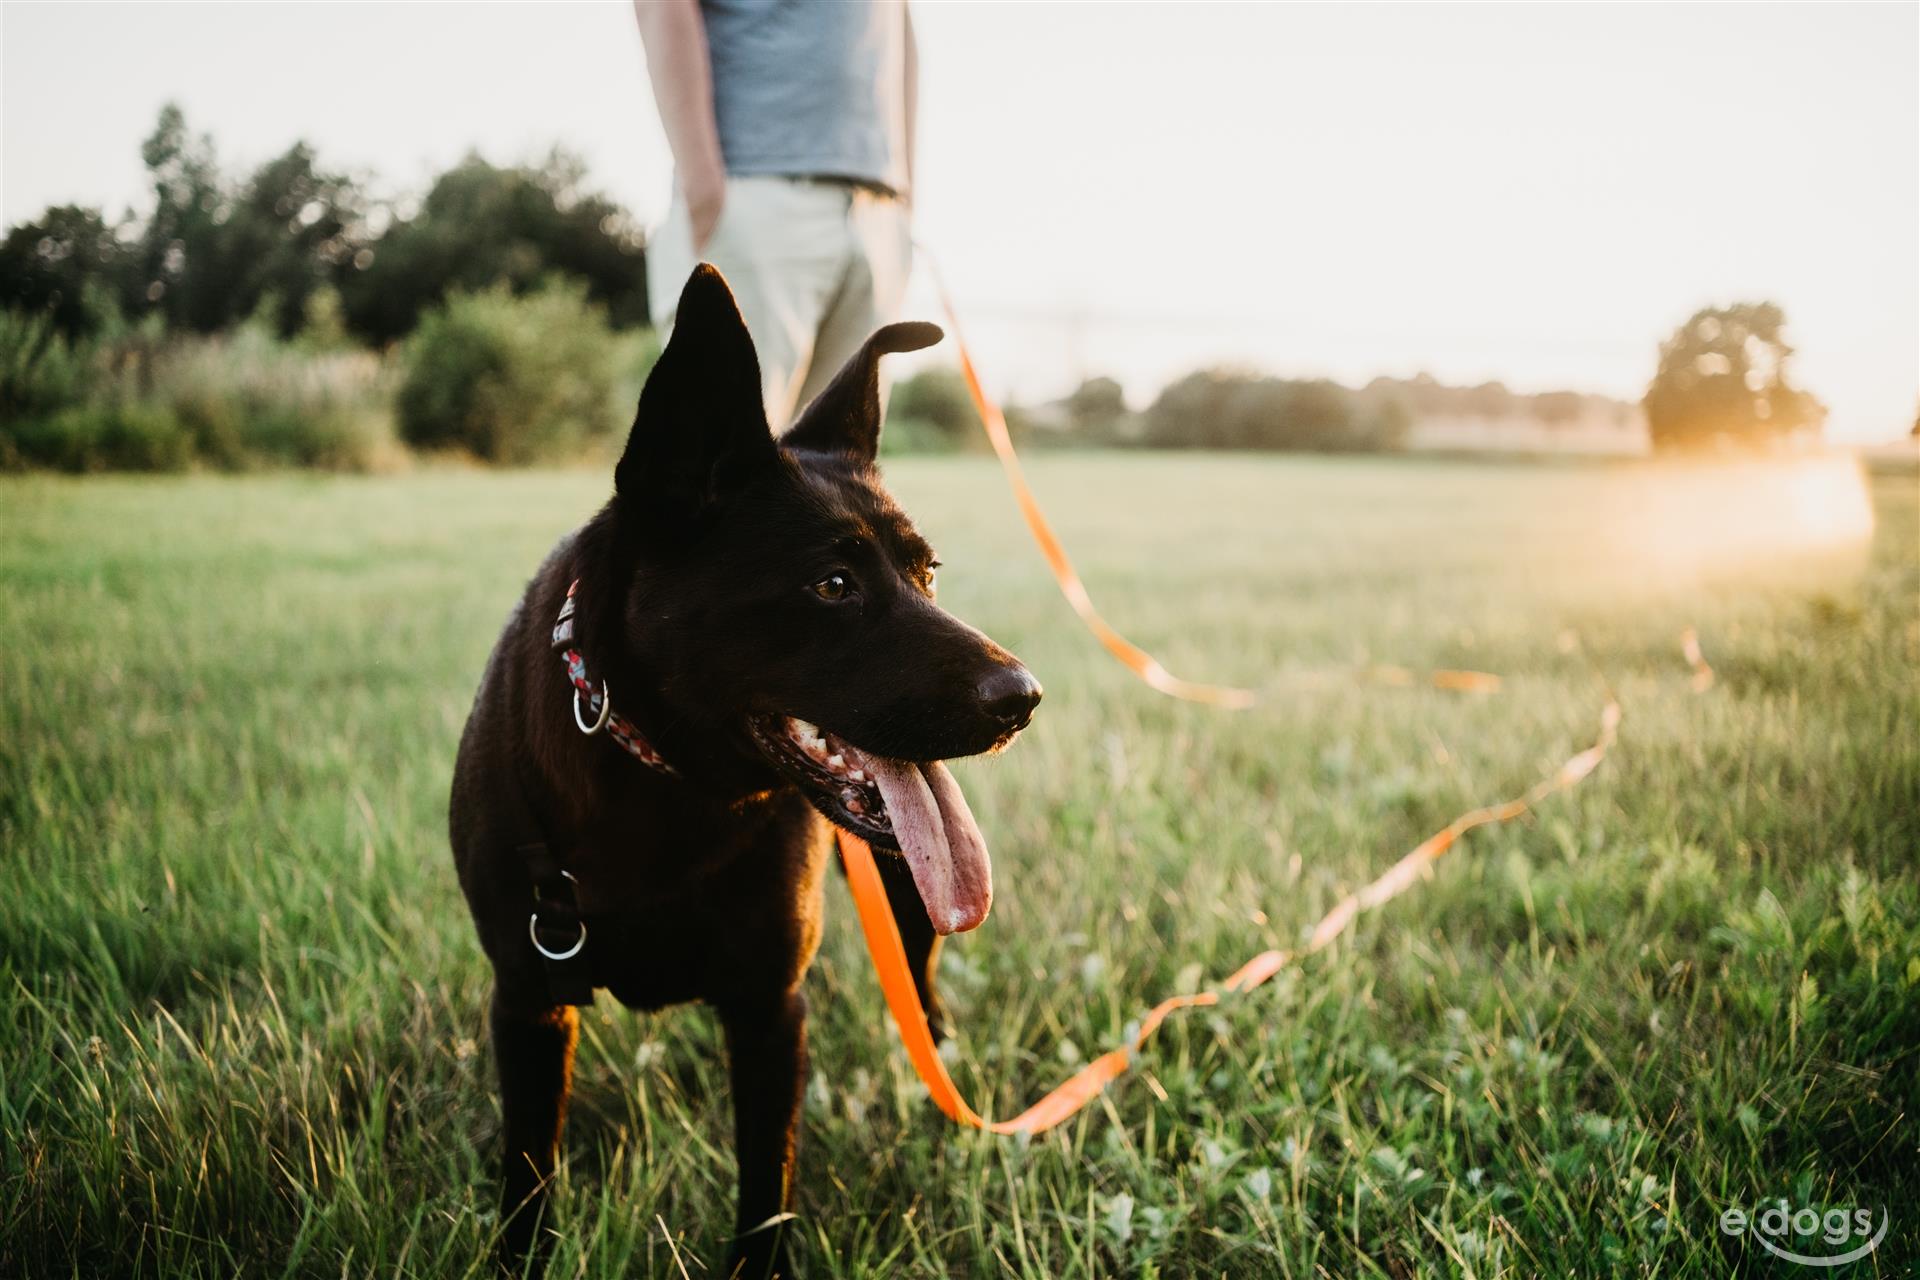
140	399
248	399
243	1005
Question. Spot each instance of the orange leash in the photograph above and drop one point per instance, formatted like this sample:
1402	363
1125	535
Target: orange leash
1131	655
896	981
1703	676
1066	1099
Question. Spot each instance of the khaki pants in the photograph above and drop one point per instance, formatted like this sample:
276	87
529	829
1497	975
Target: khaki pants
816	267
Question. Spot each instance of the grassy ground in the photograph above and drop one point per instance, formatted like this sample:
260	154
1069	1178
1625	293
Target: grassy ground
242	1005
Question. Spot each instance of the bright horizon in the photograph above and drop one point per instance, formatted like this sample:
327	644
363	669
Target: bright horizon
1535	194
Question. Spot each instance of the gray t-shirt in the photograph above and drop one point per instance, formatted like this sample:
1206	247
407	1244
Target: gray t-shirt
811	87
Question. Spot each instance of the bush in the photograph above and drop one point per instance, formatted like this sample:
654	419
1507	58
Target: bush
41	371
931	412
510	379
109	437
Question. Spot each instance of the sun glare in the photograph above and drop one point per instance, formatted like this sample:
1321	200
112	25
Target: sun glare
1751	514
1826	502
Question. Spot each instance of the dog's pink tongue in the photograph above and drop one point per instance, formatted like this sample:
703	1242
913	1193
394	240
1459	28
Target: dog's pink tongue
940	839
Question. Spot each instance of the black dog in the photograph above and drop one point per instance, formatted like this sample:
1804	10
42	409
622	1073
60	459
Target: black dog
761	613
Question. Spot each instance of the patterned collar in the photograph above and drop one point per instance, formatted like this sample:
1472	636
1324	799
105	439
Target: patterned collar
598	698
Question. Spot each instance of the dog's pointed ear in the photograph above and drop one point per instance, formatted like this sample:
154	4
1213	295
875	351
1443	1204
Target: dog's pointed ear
701	420
845	418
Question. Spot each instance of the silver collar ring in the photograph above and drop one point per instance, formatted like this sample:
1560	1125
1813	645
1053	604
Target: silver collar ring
606	711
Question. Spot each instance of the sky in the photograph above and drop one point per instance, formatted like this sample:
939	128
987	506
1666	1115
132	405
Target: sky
1535	193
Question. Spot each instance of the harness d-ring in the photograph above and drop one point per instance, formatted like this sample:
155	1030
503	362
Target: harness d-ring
606	711
533	932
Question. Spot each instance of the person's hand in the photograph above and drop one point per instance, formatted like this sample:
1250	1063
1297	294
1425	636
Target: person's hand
706	197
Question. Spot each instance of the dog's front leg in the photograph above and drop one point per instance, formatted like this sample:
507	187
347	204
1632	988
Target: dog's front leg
533	1051
767	1058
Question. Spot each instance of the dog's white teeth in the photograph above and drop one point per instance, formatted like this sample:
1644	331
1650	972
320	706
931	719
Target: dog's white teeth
837	763
857	775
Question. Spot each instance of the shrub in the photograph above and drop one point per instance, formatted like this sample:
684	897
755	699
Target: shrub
103	437
931	412
509	379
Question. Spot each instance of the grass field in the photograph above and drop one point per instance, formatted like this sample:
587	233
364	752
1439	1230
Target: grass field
241	1003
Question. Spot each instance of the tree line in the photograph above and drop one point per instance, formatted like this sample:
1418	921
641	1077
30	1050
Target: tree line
289	315
219	248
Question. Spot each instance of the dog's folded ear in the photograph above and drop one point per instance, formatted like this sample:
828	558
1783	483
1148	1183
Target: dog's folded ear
701	421
845	418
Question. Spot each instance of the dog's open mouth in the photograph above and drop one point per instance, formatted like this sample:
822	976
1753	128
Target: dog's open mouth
912	806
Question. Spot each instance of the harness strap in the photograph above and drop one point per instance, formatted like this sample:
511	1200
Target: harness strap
555	929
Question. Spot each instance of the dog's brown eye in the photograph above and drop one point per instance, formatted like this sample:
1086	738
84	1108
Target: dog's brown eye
833	587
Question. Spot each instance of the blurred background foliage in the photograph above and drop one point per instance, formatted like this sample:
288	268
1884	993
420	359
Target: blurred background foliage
292	317
1723	378
216	248
510	379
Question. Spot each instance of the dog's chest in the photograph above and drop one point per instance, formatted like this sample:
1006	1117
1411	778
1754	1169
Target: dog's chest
748	931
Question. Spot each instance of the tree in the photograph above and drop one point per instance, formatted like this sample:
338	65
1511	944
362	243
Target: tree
483	225
179	252
1095	405
1558	408
1722	382
72	267
1234	409
217	251
293	230
934	405
1489	400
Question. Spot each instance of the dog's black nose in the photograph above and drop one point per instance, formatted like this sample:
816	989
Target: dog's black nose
1009	694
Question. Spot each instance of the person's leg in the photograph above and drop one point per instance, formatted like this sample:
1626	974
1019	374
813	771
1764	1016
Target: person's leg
878	243
780	247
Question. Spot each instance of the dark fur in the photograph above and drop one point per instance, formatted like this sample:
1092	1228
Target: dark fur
696	605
